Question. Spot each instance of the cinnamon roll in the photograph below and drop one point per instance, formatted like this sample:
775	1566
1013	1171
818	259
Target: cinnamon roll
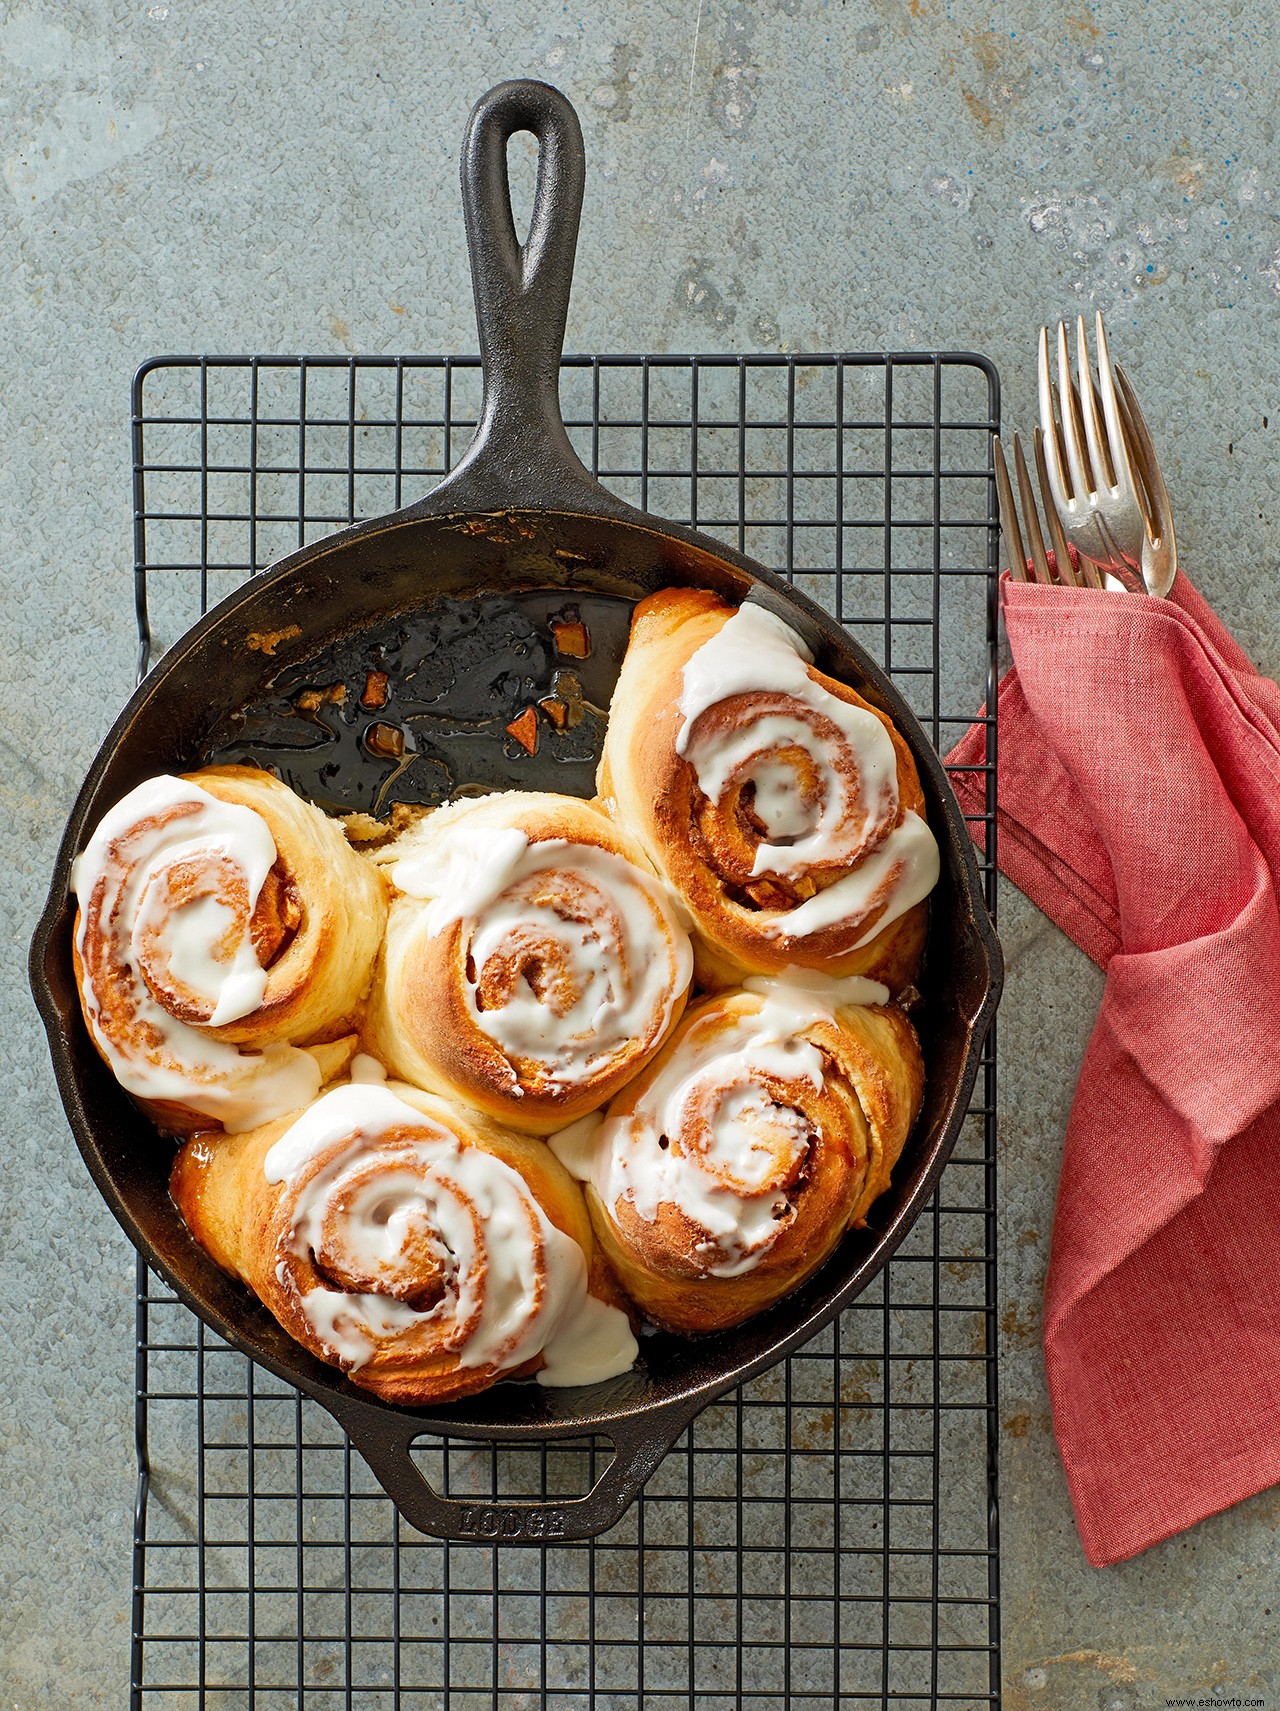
533	962
782	806
729	1170
222	922
424	1252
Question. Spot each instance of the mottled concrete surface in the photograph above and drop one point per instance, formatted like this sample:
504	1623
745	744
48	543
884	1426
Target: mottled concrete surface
798	175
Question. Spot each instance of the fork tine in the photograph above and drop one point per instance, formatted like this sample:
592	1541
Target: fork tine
1039	558
1017	565
1119	441
1159	516
1067	572
1058	492
1137	459
1103	467
1072	427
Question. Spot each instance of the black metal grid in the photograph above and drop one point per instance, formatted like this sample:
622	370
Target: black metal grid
826	1537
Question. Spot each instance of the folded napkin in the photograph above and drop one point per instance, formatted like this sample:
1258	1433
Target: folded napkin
1139	795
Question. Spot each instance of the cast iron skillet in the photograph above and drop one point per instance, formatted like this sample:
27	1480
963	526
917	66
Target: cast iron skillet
519	512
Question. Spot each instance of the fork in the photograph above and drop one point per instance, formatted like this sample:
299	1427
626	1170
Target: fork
1030	561
1100	473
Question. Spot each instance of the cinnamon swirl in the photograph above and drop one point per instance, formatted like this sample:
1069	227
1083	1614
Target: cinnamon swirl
782	806
221	923
728	1171
425	1252
533	962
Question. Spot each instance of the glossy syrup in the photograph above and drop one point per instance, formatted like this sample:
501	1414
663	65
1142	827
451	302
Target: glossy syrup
417	707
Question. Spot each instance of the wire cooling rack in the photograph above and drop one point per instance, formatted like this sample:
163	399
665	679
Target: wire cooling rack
827	1536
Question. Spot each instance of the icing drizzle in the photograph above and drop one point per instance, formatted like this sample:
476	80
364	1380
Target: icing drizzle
167	886
574	956
720	1131
391	1199
840	809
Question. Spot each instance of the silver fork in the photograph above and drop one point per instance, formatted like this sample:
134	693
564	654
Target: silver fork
1100	473
1029	560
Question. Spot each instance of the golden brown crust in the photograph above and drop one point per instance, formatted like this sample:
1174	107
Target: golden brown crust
317	982
421	1019
244	1222
857	1123
698	847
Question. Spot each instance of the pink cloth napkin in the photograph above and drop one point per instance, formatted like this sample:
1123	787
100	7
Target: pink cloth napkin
1139	787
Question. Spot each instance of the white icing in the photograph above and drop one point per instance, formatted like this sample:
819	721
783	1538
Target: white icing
470	1210
780	804
575	1146
737	1146
800	833
628	964
194	933
355	1106
751	1140
911	844
463	877
755	652
366	1070
205	946
596	1343
814	995
351	1326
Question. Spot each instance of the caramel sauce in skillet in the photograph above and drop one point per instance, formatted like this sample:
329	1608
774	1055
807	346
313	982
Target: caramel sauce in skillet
416	707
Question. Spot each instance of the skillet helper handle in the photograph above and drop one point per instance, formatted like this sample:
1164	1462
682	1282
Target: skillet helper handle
521	452
638	1448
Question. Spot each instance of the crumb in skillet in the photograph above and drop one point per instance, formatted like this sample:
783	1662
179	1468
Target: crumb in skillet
375	689
311	700
385	741
567	687
525	731
368	834
267	641
572	640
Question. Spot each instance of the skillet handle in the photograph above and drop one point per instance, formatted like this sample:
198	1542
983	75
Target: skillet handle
521	454
639	1446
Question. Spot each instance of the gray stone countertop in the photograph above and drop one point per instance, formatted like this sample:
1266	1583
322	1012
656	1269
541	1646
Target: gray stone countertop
790	175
